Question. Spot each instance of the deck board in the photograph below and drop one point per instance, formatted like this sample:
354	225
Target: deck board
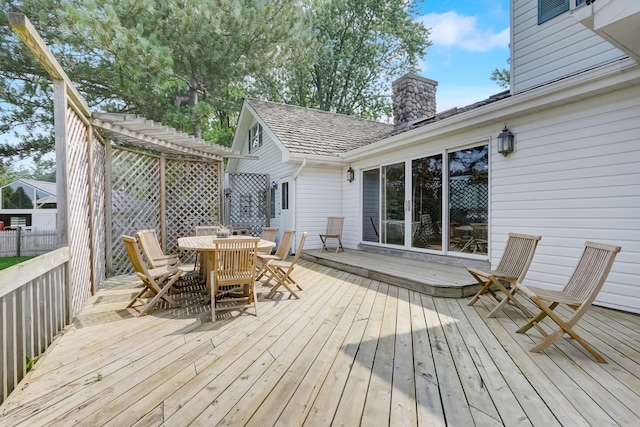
352	351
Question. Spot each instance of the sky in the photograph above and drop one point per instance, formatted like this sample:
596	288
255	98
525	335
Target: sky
469	40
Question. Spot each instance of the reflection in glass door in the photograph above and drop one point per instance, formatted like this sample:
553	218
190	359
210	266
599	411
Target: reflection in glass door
426	196
371	205
469	199
392	202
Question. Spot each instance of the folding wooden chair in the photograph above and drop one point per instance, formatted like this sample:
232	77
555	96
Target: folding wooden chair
281	270
334	231
282	252
512	268
269	233
153	251
235	270
583	287
156	280
203	230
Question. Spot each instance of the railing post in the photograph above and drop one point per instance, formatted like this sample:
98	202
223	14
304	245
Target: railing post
18	243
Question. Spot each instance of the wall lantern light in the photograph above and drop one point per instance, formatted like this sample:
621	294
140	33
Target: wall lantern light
505	141
274	185
351	175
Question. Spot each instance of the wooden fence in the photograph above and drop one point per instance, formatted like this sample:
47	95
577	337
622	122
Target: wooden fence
27	242
34	308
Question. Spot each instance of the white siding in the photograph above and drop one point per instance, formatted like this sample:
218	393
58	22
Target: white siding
557	48
318	195
575	177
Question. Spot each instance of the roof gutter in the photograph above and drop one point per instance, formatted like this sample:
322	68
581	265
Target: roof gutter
297	172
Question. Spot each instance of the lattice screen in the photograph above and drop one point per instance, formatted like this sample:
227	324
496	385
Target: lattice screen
78	210
98	212
191	197
246	202
135	194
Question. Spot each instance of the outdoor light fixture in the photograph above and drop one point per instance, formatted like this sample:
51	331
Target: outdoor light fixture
505	141
351	175
274	185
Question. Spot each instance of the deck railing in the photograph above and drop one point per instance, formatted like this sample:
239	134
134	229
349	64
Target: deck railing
27	243
34	308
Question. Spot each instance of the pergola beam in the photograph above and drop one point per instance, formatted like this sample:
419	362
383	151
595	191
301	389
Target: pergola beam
29	35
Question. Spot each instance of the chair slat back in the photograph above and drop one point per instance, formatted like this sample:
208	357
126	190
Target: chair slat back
591	272
235	261
285	244
269	233
334	225
480	230
206	230
150	245
296	257
517	255
133	251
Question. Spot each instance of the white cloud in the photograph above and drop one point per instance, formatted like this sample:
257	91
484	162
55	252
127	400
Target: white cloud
451	29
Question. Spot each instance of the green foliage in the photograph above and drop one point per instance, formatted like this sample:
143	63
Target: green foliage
30	362
189	63
501	77
7	262
358	48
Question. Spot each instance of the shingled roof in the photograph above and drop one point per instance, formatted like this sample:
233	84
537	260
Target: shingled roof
315	132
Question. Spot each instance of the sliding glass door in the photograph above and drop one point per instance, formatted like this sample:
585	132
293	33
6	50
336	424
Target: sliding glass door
438	203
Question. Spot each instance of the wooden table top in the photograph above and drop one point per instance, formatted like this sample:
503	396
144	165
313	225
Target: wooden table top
207	243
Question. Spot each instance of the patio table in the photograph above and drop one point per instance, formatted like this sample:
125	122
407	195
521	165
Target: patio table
206	246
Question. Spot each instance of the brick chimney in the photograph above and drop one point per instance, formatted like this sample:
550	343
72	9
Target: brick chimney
414	98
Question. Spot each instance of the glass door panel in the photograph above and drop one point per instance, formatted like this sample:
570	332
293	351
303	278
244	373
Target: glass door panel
371	205
426	194
469	199
393	204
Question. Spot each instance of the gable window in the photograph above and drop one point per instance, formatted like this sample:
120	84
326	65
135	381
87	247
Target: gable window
548	9
255	137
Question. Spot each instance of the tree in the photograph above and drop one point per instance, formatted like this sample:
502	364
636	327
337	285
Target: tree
358	48
501	77
184	63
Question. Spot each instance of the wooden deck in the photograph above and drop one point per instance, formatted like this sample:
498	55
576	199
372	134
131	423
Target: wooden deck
352	351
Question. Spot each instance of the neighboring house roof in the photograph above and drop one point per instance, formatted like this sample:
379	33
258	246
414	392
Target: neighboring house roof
47	187
315	132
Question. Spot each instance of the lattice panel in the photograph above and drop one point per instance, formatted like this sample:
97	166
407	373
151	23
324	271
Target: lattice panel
468	202
192	199
135	190
98	210
78	211
246	202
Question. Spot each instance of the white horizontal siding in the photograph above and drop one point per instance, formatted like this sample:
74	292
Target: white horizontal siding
557	48
318	196
575	176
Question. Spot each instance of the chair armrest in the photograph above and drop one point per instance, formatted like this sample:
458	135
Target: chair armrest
492	274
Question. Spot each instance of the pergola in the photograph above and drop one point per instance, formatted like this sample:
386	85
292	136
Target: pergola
119	173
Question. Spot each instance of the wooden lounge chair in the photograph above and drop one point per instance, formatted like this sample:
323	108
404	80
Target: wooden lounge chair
334	231
234	275
156	280
581	289
153	251
281	270
512	268
282	252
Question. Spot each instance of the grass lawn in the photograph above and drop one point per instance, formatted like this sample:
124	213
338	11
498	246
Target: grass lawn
12	260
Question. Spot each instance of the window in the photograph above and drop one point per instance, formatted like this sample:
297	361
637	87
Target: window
285	195
548	9
272	203
254	139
